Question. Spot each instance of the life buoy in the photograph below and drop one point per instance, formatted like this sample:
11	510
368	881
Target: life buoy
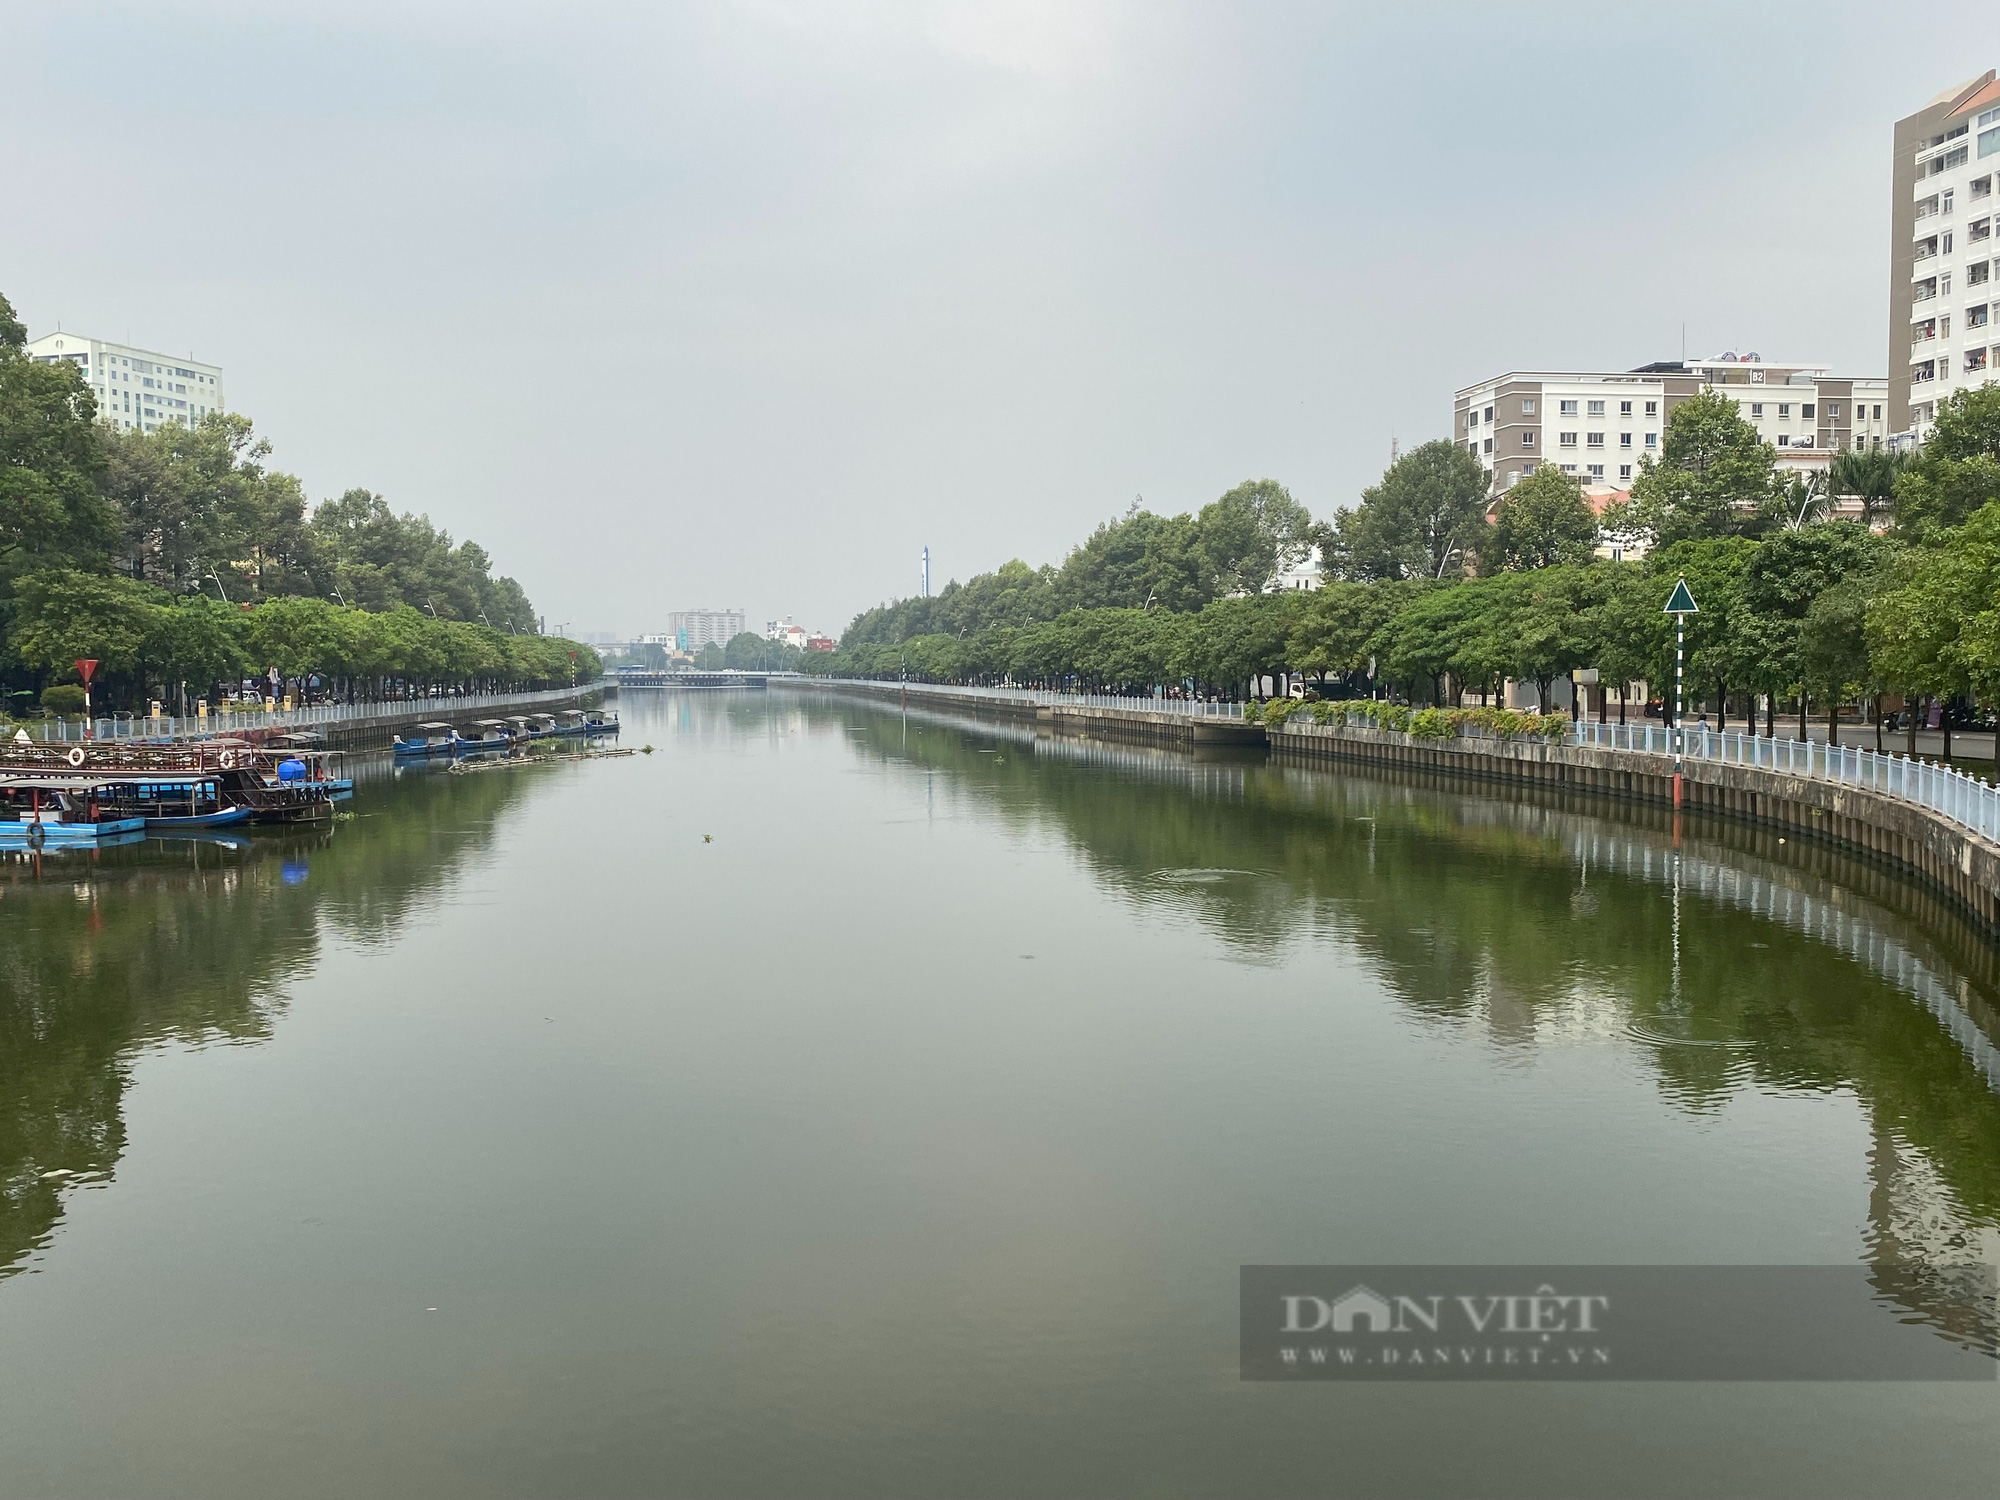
228	760
37	835
76	756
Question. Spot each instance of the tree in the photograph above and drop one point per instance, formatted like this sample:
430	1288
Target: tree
51	513
1958	468
1335	634
61	615
197	641
1781	579
13	333
1834	649
1543	521
1712	478
1427	509
1252	534
1868	475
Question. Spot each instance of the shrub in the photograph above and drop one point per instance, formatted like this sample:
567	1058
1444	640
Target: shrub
1253	713
1432	724
1280	709
1323	713
63	698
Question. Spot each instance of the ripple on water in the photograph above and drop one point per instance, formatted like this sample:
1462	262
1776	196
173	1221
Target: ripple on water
1200	877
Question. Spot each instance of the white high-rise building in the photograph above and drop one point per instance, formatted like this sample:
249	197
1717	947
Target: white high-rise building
136	389
1943	274
692	629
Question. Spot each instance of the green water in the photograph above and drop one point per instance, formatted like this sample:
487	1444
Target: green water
838	1103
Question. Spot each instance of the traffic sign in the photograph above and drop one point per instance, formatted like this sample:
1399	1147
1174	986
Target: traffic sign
1681	602
85	665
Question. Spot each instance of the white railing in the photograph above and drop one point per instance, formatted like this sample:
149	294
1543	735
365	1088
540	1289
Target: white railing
1946	791
319	715
1044	698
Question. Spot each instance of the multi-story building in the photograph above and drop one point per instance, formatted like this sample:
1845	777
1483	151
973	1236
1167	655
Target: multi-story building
136	389
692	629
1598	426
1943	276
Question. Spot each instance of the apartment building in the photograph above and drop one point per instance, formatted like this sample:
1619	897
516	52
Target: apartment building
1943	275
1598	426
136	389
691	629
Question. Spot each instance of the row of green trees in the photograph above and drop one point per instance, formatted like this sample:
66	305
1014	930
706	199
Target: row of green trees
156	541
149	642
1794	606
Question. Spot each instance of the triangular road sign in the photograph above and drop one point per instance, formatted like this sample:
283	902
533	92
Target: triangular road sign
1681	602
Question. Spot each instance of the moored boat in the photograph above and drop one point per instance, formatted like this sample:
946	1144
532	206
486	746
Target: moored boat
435	739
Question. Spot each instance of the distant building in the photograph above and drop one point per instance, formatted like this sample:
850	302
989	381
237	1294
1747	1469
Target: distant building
1302	576
692	629
819	643
1942	270
786	633
137	390
1598	426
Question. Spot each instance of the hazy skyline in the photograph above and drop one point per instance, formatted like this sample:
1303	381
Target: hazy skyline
743	305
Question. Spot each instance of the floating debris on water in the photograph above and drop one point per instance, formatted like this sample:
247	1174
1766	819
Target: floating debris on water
466	767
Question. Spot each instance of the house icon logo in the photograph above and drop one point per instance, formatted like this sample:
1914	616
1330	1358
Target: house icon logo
1359	1304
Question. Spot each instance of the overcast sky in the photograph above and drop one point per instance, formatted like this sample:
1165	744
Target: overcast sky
744	304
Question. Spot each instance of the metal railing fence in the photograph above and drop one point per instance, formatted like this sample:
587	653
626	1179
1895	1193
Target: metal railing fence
239	720
1043	697
1944	790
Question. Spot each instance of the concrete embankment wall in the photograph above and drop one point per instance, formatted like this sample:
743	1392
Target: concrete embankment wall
1132	726
1960	864
1957	864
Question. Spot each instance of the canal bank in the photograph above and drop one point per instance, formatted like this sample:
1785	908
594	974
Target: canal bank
1961	865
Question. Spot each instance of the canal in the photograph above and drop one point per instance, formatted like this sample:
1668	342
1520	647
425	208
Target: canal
842	1102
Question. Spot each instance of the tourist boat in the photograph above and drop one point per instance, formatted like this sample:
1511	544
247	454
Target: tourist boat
576	721
201	784
436	739
487	734
44	812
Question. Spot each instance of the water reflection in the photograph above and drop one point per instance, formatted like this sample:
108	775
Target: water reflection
1733	964
192	939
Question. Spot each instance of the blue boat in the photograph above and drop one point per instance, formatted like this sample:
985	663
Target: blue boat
42	812
100	799
436	739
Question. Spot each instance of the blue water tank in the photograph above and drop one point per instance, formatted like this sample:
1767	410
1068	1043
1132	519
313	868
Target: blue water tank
292	770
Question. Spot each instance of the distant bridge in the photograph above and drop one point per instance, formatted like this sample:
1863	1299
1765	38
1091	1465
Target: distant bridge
647	677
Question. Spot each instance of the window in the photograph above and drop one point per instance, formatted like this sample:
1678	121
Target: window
1944	283
1624	471
1944	245
1975	274
1566	408
1594	440
1989	142
1624	439
1924	290
1529	468
1566	440
1489	413
1472	418
1597	408
1785	410
1528	441
1833	411
1652	408
1878	413
1982	230
1569	468
1756	411
1472	445
1527	410
1652	440
1975	359
1784	439
1489	445
1805	410
1975	317
1925	248
1926	370
1624	408
1597	472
